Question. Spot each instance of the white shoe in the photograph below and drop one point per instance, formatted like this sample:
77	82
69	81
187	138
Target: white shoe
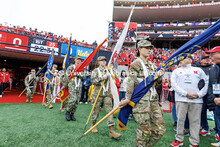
80	102
86	103
204	132
216	144
0	96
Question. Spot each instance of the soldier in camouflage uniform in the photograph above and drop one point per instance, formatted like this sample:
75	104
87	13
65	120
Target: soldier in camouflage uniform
49	92
32	87
74	87
147	112
98	76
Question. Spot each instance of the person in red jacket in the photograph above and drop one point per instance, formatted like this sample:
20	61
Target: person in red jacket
4	79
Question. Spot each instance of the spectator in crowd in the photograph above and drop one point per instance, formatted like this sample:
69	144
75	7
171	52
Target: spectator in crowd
86	83
188	97
165	91
214	91
205	66
4	80
123	81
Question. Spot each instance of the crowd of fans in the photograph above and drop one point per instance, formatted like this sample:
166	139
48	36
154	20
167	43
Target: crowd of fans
130	37
48	35
157	56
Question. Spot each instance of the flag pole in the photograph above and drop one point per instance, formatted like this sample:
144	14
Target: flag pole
54	97
97	97
44	94
110	113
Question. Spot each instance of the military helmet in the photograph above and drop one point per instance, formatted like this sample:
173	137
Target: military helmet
144	43
100	58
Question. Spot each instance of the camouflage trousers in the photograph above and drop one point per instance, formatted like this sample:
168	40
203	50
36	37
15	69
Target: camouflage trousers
151	126
73	100
107	100
30	92
49	92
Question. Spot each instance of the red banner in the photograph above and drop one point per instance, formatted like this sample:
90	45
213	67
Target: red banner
13	39
52	44
122	25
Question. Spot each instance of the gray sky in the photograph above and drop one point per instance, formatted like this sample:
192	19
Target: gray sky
85	19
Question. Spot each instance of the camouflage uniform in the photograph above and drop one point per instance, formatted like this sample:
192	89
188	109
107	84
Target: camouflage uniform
32	87
74	90
49	92
147	112
105	97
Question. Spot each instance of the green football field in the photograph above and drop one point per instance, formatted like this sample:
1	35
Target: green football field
32	125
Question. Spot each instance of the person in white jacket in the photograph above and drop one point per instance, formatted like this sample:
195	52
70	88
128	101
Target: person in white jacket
184	81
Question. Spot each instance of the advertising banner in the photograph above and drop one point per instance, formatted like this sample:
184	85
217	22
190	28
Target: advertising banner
43	46
13	39
43	49
76	50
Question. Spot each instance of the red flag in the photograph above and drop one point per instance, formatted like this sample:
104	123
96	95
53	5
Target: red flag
82	66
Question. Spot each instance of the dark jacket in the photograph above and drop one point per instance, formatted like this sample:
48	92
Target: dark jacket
86	82
214	78
206	69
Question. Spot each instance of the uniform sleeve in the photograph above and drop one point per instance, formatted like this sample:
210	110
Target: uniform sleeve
68	71
37	79
95	79
82	75
26	81
203	91
131	82
176	86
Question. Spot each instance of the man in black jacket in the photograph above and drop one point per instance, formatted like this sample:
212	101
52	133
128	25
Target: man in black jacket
205	66
214	90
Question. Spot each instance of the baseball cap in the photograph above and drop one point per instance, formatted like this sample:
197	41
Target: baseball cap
214	50
100	58
144	43
78	57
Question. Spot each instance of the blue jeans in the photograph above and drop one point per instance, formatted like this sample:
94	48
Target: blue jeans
204	122
217	119
122	95
174	112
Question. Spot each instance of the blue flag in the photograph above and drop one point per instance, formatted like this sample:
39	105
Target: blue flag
183	52
49	65
67	56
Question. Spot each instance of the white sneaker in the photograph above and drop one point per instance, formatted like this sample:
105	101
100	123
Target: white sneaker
86	103
80	102
216	144
204	132
0	96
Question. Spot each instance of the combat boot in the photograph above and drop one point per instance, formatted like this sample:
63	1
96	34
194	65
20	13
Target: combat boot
68	116
94	130
112	133
50	106
72	117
